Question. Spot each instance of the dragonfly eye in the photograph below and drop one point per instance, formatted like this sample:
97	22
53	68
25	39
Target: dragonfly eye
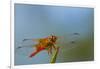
54	37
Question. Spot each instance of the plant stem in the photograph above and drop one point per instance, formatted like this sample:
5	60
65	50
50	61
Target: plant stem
54	57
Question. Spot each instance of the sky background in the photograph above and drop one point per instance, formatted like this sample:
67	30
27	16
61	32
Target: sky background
39	21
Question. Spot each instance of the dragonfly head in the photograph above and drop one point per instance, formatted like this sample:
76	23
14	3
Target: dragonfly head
53	38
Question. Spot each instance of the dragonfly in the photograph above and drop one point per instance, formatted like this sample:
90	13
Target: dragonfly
48	43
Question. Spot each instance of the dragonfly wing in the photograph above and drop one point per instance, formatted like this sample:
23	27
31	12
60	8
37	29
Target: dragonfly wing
34	40
24	50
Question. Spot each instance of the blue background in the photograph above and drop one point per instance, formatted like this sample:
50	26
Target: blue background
39	21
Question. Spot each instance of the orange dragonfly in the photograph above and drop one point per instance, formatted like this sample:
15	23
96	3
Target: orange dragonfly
47	43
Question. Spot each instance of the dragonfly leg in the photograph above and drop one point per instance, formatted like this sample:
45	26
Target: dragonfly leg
49	50
54	47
